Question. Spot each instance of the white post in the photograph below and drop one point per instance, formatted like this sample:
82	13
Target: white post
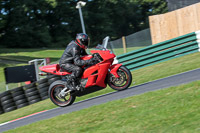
7	87
82	22
36	70
198	38
78	6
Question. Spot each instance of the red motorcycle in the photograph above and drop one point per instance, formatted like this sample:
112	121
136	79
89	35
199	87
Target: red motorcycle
94	78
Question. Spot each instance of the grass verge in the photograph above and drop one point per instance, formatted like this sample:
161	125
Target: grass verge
30	54
175	109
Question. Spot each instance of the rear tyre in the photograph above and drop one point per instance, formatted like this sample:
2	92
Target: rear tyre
124	80
54	89
50	81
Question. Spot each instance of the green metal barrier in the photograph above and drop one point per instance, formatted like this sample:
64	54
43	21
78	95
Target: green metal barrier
160	52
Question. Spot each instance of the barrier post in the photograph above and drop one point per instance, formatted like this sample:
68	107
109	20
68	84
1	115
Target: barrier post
7	87
124	43
37	64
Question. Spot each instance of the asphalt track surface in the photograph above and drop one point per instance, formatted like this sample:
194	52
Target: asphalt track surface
174	80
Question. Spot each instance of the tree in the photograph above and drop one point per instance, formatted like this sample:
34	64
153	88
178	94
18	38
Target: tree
118	18
54	23
25	24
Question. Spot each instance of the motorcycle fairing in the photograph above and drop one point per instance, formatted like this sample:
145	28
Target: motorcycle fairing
96	75
114	68
86	57
53	69
105	54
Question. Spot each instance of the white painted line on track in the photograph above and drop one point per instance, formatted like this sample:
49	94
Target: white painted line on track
23	117
4	123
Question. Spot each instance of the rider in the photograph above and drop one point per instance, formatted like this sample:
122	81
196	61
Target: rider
71	62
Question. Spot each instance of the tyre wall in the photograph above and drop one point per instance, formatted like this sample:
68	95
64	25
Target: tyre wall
26	95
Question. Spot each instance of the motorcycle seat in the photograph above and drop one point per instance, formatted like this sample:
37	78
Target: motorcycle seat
58	68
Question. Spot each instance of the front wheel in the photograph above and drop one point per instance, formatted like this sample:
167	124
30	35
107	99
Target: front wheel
54	91
124	80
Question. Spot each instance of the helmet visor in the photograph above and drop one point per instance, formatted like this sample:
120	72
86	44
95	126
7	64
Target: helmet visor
86	42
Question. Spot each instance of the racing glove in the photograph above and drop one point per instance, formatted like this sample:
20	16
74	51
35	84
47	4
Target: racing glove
93	61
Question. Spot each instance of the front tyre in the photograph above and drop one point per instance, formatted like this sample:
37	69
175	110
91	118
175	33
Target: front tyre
124	80
54	90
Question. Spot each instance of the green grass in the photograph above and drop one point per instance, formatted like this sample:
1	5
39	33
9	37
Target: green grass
30	54
140	76
175	109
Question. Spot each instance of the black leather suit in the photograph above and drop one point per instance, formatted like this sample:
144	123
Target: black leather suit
70	60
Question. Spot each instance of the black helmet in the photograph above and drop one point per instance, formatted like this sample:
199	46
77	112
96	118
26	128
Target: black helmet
82	40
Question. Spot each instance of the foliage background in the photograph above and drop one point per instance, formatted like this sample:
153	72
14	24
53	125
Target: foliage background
54	23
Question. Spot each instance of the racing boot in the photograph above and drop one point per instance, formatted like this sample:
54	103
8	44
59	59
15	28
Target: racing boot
76	85
70	83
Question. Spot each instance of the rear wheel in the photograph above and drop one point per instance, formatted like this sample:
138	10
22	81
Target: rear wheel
124	80
54	90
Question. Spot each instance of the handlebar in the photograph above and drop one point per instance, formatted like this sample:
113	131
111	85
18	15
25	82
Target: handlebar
97	57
